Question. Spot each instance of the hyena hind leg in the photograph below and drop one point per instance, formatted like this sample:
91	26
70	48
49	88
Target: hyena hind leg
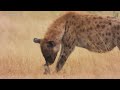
65	52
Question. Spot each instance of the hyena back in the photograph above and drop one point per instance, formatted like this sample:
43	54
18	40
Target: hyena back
92	32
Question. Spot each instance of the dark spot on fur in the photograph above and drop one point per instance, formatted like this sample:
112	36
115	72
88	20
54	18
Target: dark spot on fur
108	16
65	45
109	34
98	43
71	23
66	22
98	26
81	22
103	26
114	27
73	42
118	27
69	46
100	22
106	34
90	39
67	26
90	28
62	56
113	35
96	22
118	38
73	16
94	17
98	37
68	38
105	42
102	34
117	33
106	39
88	21
100	17
78	27
87	45
110	23
82	30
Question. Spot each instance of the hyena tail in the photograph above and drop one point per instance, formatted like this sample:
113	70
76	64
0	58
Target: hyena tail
36	40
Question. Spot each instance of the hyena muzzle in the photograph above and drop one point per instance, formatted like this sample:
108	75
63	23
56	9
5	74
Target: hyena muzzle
48	52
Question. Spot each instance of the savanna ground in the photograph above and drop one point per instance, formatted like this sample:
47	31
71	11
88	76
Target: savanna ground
21	58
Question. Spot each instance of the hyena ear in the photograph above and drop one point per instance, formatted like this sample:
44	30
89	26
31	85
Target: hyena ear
51	44
36	40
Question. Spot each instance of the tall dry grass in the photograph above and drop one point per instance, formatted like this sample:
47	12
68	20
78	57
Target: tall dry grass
21	58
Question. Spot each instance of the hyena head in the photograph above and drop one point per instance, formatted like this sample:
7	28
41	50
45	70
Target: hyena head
49	49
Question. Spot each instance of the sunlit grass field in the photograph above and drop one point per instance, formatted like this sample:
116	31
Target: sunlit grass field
21	58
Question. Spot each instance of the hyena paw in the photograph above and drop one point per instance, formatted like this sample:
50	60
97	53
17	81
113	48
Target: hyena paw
58	68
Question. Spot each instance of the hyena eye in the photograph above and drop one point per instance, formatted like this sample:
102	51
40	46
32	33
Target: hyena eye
51	44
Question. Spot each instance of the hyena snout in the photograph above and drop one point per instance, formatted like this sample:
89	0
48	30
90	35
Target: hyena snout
50	59
36	40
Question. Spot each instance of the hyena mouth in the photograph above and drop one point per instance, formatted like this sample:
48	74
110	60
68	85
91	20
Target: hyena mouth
49	60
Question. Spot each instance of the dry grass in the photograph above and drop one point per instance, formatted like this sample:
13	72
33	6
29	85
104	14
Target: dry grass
21	58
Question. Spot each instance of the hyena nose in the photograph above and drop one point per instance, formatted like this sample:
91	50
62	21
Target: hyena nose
49	60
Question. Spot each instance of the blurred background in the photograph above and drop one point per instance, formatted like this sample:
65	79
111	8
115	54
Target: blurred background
21	58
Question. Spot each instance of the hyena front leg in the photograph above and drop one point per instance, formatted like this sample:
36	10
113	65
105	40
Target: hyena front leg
66	50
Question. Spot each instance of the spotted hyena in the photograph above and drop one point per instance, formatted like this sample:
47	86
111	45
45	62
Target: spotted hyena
92	32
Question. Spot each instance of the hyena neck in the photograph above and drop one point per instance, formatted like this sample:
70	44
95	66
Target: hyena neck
56	30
